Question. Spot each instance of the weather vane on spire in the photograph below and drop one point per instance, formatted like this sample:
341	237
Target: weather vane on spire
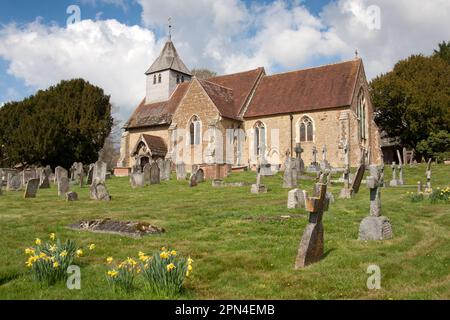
356	54
170	28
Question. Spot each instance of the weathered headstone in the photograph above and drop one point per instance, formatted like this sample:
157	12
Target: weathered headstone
146	172
429	189
394	181
137	180
73	172
375	226
314	166
324	165
299	164
155	174
400	167
80	174
98	191
181	171
200	175
296	199
193	180
99	172
44	178
166	170
71	196
28	174
358	179
14	182
289	177
31	188
63	186
59	173
346	191
311	245
419	187
90	174
258	187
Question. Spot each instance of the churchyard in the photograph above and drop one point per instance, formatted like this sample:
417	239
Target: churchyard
244	245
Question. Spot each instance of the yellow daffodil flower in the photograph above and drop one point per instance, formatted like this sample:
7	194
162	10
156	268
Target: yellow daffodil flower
52	236
79	252
113	273
109	260
163	249
63	254
164	255
190	260
91	246
170	267
38	241
55	264
29	251
52	248
173	253
190	268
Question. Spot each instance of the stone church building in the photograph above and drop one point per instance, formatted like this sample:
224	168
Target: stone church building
236	119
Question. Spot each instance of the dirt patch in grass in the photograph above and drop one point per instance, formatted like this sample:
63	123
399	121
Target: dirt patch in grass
128	228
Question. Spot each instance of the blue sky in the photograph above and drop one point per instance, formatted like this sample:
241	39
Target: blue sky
116	40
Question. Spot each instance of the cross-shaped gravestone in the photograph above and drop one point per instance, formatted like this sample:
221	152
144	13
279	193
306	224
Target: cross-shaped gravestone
258	187
311	245
289	177
375	226
300	165
394	181
314	152
346	191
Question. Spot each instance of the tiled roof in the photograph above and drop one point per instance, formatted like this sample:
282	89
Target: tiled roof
221	97
242	84
168	59
156	144
159	113
318	88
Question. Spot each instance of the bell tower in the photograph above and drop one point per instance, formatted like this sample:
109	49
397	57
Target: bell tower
166	73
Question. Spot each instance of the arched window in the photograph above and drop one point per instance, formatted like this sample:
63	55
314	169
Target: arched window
306	129
154	79
159	78
195	130
182	78
361	114
178	78
259	138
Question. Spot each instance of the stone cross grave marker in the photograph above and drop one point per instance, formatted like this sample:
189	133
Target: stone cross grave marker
400	169
394	181
346	191
289	176
63	186
314	167
324	165
31	188
258	187
311	245
155	174
300	165
375	226
181	171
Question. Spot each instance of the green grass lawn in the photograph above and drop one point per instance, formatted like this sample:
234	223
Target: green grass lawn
236	257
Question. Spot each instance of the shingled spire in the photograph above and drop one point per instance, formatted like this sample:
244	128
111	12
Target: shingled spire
169	59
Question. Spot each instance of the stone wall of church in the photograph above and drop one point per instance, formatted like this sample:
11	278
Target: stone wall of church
158	131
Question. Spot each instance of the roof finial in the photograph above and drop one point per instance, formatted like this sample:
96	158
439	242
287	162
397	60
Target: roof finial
170	28
356	54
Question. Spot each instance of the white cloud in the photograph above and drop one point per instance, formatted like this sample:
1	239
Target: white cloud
107	53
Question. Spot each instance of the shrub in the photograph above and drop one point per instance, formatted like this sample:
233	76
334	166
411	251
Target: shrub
440	195
49	261
122	276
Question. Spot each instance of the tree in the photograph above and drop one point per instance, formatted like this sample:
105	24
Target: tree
110	152
413	100
66	123
203	73
437	146
444	51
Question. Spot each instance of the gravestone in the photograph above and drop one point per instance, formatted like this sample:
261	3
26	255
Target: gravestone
14	182
90	174
59	173
258	187
99	172
193	180
358	179
137	180
290	173
324	165
325	178
166	170
181	171
80	174
419	187
296	199
146	172
98	191
311	245
63	186
200	175
400	168
394	181
429	189
299	164
155	174
31	188
71	196
44	178
346	191
28	174
314	167
375	226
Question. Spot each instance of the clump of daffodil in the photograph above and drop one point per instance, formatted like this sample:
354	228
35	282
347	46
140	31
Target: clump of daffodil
122	275
48	261
109	260
91	246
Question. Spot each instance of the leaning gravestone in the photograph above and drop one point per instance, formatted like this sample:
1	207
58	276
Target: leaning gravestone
258	187
400	168
375	226
14	182
181	171
137	180
31	188
394	181
90	174
99	172
44	179
63	186
98	191
155	174
311	245
358	179
296	199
